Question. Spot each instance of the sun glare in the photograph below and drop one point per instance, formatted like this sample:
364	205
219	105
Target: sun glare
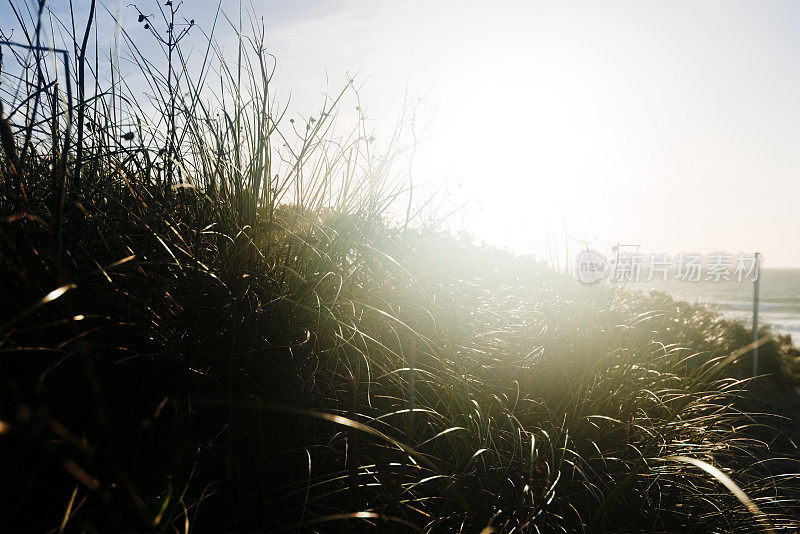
424	266
525	139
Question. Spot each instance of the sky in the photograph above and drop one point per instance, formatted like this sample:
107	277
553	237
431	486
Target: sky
671	125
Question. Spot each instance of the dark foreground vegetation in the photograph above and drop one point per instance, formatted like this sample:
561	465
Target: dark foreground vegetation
210	324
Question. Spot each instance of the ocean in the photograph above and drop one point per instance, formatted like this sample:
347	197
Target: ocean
779	298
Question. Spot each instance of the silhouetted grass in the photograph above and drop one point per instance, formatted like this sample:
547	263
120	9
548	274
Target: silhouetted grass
217	328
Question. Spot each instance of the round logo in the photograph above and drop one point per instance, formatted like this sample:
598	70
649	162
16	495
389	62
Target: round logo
590	266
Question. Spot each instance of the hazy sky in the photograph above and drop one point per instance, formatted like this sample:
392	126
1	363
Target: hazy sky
674	125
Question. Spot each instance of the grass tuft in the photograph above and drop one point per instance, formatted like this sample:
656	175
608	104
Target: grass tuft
211	323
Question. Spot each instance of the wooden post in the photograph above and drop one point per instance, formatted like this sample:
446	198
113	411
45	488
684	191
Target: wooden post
755	313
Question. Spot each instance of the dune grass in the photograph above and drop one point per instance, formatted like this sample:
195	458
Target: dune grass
209	323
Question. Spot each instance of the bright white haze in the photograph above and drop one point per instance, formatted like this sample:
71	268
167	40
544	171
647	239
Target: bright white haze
674	125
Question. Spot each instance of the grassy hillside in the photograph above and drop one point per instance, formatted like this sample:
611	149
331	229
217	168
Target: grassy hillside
212	325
